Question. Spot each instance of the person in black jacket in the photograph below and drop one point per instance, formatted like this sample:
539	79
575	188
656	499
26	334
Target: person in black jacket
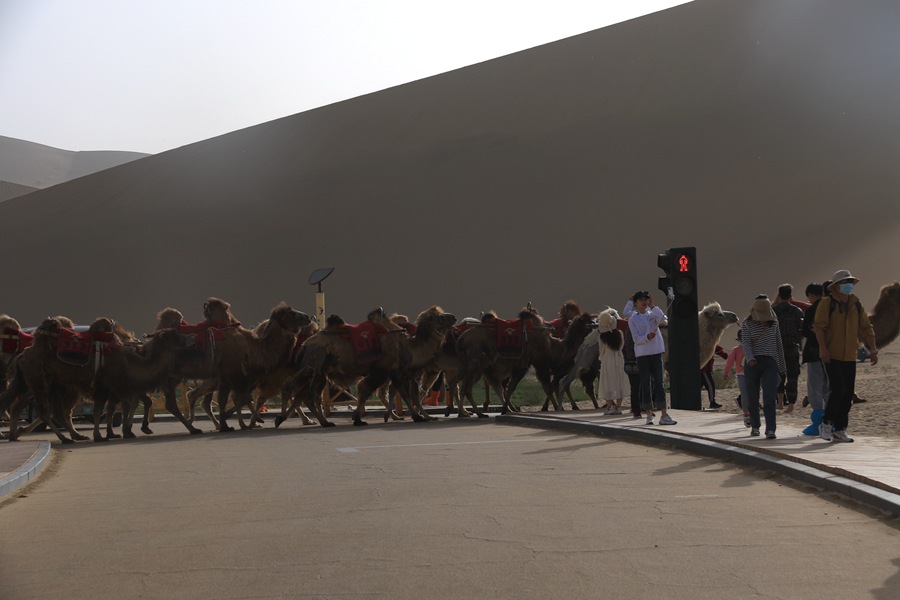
790	322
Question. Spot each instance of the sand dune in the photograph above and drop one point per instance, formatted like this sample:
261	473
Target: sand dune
39	166
763	132
11	190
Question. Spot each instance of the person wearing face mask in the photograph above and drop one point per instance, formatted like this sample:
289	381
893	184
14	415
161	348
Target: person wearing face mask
840	323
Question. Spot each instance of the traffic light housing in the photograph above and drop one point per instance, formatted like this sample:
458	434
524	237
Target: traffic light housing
680	265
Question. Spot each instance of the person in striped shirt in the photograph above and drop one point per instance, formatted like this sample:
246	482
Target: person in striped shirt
765	365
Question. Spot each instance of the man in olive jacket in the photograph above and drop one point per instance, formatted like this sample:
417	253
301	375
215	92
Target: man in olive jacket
841	322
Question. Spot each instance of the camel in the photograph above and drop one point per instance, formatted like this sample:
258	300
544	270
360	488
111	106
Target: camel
562	358
477	348
885	315
330	356
217	314
242	360
712	324
121	375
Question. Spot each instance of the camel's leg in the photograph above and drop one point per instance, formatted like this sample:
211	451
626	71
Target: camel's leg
129	408
147	402
466	380
68	405
172	406
587	380
242	399
42	402
111	404
365	389
409	391
224	392
207	408
487	395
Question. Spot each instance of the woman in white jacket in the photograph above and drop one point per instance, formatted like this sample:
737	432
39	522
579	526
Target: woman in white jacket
644	325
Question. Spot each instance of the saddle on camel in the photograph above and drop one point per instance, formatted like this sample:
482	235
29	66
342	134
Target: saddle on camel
365	337
15	341
205	336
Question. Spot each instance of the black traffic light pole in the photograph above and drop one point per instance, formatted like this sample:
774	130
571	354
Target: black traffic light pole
680	265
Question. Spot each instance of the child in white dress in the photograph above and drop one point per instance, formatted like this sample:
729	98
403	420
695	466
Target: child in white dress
614	384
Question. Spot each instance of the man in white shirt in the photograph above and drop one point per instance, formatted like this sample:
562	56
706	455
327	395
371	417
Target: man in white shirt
644	325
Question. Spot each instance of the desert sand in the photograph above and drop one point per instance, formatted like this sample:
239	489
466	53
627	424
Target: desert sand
762	132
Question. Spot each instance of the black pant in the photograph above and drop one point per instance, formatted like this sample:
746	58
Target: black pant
653	394
788	384
842	381
635	380
707	381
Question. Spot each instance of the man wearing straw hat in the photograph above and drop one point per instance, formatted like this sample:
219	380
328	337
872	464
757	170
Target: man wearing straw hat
840	323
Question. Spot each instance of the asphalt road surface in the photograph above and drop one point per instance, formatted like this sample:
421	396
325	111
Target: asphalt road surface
438	510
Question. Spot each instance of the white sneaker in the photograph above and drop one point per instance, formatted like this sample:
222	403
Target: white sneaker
825	431
840	435
649	419
667	420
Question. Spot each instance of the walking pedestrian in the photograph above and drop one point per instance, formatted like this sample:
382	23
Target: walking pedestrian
644	324
839	325
790	323
735	362
816	378
764	366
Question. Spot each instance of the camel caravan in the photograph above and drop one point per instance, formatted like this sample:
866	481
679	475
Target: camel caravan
55	365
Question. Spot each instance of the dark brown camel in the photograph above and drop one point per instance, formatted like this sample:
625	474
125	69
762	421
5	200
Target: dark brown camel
477	348
330	356
885	315
242	360
122	374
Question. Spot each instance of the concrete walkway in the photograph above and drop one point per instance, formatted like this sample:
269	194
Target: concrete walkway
866	470
20	462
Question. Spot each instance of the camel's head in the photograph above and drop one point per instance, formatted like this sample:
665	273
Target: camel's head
334	321
103	325
289	319
218	311
172	339
7	321
712	315
581	327
169	318
65	322
890	293
570	310
436	319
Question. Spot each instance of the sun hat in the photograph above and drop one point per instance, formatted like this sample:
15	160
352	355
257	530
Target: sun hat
762	310
608	320
842	276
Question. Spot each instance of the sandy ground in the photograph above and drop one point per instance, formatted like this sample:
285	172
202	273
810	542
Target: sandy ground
878	385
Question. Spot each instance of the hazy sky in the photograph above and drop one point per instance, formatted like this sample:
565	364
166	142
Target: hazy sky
151	75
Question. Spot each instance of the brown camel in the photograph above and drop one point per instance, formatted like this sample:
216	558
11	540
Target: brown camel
885	315
479	357
561	359
114	373
242	360
329	355
196	362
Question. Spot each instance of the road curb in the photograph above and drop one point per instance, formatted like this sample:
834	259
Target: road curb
857	487
27	471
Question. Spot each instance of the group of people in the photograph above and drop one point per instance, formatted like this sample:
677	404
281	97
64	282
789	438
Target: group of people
774	340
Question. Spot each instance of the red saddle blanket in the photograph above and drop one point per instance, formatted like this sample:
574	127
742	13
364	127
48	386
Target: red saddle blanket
366	339
205	334
451	337
15	341
76	347
510	338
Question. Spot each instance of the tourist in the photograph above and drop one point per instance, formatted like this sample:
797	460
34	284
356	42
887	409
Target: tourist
634	374
735	362
764	362
613	380
840	323
644	324
790	323
816	379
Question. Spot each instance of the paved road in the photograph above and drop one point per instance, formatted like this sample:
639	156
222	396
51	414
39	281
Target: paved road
438	510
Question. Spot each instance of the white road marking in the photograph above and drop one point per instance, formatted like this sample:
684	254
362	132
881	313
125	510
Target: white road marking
699	496
358	448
